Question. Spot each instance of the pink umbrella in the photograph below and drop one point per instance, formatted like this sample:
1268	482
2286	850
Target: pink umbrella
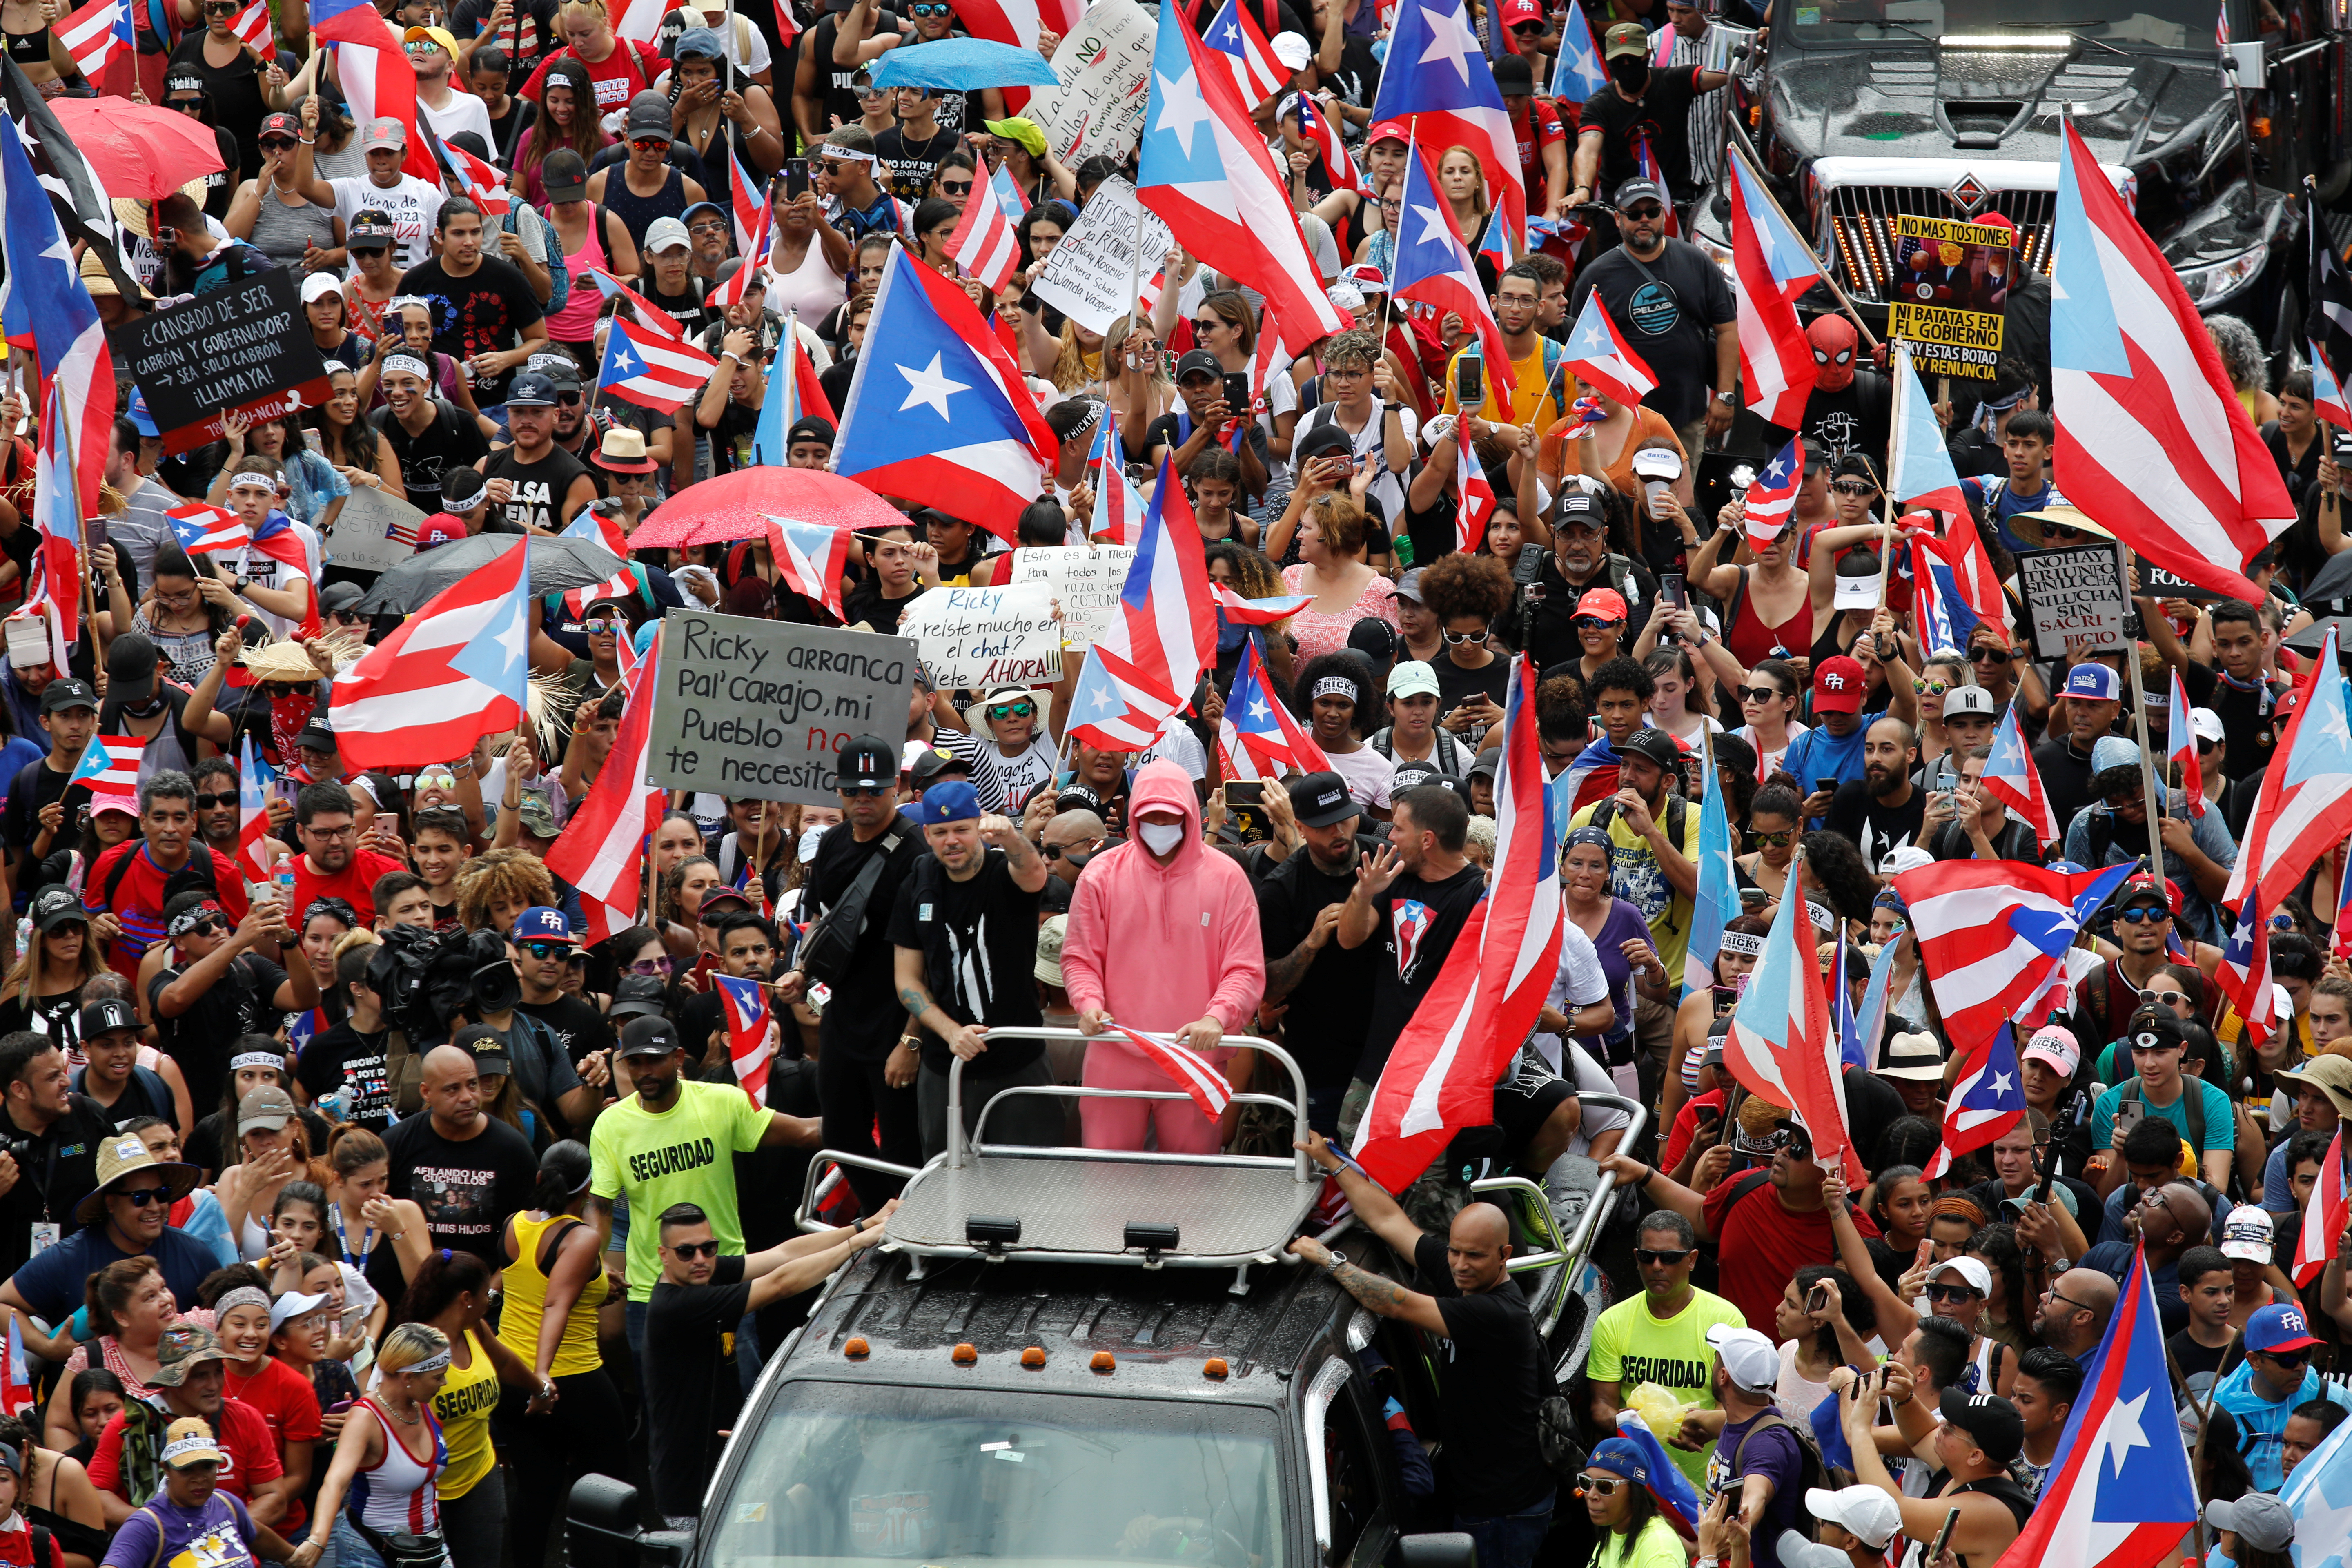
737	506
137	150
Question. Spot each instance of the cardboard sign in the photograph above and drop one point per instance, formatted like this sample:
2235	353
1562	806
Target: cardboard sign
1089	275
762	709
2074	598
1951	281
375	531
1086	579
973	638
1104	69
244	348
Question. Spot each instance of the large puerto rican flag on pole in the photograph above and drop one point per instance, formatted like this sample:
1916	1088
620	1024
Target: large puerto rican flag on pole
1774	269
1987	1100
1782	1044
2306	805
2119	1493
1990	934
1142	670
1437	77
2152	440
1600	357
2324	1218
1441	1074
454	671
1205	170
1433	268
601	850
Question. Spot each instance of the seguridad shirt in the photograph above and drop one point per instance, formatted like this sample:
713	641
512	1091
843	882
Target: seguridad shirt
683	1154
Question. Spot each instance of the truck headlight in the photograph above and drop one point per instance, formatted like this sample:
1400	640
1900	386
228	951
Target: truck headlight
2218	280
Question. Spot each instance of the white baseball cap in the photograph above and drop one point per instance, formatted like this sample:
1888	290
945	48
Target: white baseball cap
2205	724
1972	1271
1747	1357
1868	1512
2246	1233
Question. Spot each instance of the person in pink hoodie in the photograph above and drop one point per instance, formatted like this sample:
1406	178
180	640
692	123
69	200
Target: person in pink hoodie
1162	936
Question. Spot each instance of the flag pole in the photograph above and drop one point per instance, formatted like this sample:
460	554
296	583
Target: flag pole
1845	303
2140	716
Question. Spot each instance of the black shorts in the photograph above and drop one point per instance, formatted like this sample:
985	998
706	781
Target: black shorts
1526	1097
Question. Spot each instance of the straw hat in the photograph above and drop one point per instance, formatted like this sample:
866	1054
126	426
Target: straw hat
287	659
123	1156
2029	525
136	216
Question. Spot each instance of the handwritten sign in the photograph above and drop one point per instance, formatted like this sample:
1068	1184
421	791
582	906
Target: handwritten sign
1089	275
973	638
1086	579
375	531
1104	70
2073	598
762	709
243	349
1951	281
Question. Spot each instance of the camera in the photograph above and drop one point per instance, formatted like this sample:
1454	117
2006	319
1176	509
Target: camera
19	1150
426	979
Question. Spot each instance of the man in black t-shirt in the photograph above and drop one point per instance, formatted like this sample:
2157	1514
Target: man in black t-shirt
1638	105
1328	989
64	1129
350	1057
1882	811
1675	308
469	1173
964	932
484	310
1413	898
2235	686
429	436
218	990
1492	1380
69	714
692	1392
533	484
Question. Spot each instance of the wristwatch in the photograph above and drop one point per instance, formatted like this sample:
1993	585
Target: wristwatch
1727	399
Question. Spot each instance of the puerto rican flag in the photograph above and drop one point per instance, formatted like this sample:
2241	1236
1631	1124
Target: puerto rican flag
1782	1044
811	559
1920	473
1318	130
2325	1218
252	813
1143	669
984	243
454	671
1773	268
1953	588
2327	398
1193	1073
1600	357
650	316
98	34
621	584
1578	73
252	25
743	206
2306	805
2244	973
108	762
481	179
1272	739
651	372
938	411
2119	1494
1645	162
1714	902
1438	79
750	1031
379	83
601	850
1476	498
1991	933
2181	735
598	527
1119	506
1238	611
1206	171
17	1393
1988	1099
1441	1074
755	259
2152	440
1772	498
2010	778
202	528
1433	268
1233	33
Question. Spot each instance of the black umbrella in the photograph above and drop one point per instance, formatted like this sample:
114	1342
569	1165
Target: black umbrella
557	563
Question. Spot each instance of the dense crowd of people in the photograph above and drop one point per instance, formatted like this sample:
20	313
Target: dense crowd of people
355	1198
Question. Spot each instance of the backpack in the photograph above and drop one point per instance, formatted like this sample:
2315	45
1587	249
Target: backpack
1677	819
2194	1104
1448	756
1814	1470
832	941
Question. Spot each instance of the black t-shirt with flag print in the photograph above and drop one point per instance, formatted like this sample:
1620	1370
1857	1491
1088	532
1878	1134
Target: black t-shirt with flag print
1419	923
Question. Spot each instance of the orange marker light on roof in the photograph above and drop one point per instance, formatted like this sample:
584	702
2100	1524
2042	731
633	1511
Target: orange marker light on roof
964	1354
1103	1360
857	1349
1215	1367
1033	1357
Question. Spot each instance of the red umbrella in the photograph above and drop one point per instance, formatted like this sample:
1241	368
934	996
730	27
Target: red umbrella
737	506
137	150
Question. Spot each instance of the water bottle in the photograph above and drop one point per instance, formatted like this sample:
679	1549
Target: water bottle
283	875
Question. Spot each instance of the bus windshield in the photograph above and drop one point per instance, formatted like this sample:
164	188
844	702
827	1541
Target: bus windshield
2156	23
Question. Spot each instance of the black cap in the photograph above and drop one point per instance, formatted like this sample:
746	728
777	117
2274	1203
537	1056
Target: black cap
489	1047
558	368
638	996
809	429
1321	438
471	140
1513	73
1199	362
319	734
1078	798
1412	775
1634	191
647	1036
53	907
1586	506
1656	746
868	762
372	228
67	692
1485	764
933	761
131	667
112	1013
565	175
2155	1029
531	390
1993	1422
1319	800
341	595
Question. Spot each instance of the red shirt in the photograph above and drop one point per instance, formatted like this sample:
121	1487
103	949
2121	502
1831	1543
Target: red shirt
1760	1246
1537	129
350	884
244	1439
619	77
1685	1126
139	898
288	1406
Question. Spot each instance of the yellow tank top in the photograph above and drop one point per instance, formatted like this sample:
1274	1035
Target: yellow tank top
526	1298
463	1406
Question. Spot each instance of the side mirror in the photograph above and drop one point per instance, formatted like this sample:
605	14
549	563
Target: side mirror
664	1548
601	1524
1448	1549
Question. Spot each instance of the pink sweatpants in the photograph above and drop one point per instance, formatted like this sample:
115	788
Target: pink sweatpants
1112	1063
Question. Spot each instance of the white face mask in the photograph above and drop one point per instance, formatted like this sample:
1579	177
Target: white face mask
1160	837
808	844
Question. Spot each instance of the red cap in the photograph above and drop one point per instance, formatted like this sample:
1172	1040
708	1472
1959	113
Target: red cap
1838	684
1387	130
1602	604
1518	11
441	528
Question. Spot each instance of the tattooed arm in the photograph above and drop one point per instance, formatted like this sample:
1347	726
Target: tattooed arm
1378	1211
1381	1295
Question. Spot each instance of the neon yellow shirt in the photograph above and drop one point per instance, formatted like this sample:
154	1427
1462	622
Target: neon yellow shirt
683	1155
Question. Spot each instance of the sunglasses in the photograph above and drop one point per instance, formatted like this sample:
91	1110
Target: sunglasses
1593	624
2144	915
1854	488
2170	998
1010	711
1988	656
712	226
1780	840
650	966
1602	1486
931	10
2285	1358
2205	747
436	778
1646	212
213	927
955	187
214	802
868	94
603	620
140	1197
691	1250
543	950
1761	694
275	144
1460	638
1950	1293
185	105
1526	29
864	791
649	145
1669	1257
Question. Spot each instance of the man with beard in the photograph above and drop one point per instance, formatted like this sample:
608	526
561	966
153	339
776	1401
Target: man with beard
533	483
1832	749
1580	561
132	884
1668	298
1885	810
2094	694
1328	988
485	313
1638	105
429	436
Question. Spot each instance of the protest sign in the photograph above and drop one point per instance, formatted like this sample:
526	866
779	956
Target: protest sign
1103	73
245	349
375	531
973	638
1089	275
1951	281
1085	579
2073	598
761	709
2157	583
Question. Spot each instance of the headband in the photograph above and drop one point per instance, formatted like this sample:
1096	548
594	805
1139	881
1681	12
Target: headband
244	1059
1744	942
187	920
847	154
1094	417
437	1361
1336	686
328	904
249	477
1823	919
409	363
243	1296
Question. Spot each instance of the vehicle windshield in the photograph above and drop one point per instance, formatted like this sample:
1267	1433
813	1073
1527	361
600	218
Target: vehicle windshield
865	1473
2156	23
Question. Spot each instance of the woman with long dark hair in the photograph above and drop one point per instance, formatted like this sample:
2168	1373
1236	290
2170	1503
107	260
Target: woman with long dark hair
555	1288
452	1293
1629	1531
